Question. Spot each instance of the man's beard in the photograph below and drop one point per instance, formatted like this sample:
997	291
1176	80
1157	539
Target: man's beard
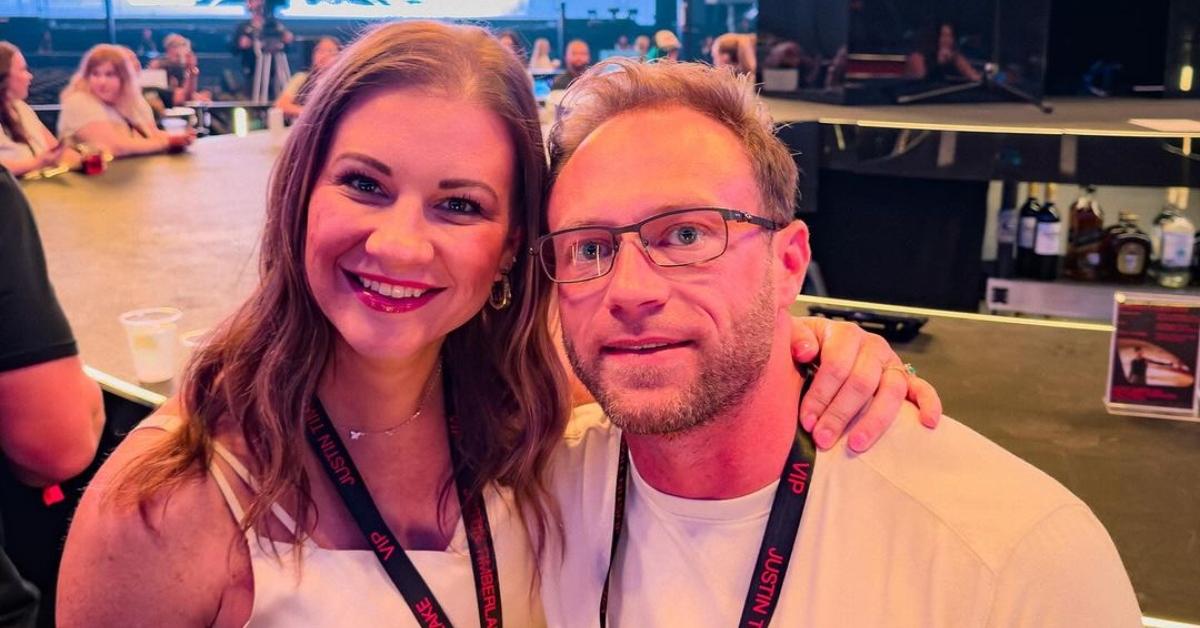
727	373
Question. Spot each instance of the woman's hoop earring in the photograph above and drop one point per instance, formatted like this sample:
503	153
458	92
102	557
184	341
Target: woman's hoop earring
501	295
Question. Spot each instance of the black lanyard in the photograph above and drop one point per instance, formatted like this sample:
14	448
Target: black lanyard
336	461
779	539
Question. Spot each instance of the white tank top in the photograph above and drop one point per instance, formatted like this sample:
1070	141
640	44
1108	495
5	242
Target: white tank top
351	588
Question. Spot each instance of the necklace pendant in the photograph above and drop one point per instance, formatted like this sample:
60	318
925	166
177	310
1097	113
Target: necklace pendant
355	434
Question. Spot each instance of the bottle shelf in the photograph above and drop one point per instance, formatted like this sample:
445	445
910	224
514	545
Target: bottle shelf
1064	298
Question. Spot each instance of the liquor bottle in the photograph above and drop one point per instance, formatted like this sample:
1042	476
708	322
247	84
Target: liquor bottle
1156	231
1048	239
1176	235
1006	230
1084	236
1027	231
1125	252
1195	260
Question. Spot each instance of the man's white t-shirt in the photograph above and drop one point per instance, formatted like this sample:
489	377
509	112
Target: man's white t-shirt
928	528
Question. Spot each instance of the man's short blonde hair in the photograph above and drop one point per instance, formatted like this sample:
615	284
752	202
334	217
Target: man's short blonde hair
618	86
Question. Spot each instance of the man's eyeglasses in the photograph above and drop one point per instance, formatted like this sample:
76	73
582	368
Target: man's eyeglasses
676	238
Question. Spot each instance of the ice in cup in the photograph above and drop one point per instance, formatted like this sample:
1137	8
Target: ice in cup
153	337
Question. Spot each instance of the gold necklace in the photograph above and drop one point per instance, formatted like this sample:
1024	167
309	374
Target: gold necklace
357	434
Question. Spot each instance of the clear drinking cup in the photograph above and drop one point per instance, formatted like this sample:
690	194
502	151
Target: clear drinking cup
189	341
153	338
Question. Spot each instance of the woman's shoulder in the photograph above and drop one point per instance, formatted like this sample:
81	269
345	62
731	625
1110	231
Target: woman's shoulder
23	109
80	98
116	489
81	107
129	547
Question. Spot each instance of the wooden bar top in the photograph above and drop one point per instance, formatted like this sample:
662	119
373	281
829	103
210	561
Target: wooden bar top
163	230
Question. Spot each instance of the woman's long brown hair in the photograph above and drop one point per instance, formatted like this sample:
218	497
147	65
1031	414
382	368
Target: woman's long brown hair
259	372
8	117
127	103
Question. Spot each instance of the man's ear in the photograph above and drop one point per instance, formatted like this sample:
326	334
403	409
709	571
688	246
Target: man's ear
791	257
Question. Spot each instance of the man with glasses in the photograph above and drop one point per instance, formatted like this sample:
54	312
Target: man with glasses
692	498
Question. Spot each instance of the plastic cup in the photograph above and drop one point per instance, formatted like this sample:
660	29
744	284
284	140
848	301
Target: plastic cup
189	340
93	162
275	120
175	126
152	337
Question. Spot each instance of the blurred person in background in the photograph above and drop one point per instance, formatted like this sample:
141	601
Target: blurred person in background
51	414
183	72
262	27
512	40
540	61
46	43
147	47
736	52
642	45
25	143
579	59
622	43
291	101
103	107
666	46
939	58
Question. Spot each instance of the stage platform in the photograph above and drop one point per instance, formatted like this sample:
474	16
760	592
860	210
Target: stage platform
1093	117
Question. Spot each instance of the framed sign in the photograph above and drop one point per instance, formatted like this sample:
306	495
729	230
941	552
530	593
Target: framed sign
1154	356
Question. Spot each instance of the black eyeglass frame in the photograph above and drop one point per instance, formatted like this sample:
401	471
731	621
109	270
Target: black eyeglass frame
616	233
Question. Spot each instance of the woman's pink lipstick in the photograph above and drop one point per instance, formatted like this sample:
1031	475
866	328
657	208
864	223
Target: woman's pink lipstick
390	304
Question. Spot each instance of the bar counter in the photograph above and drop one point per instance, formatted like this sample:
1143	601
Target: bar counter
163	230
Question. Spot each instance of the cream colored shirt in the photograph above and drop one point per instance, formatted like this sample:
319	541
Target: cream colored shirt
80	109
927	529
12	150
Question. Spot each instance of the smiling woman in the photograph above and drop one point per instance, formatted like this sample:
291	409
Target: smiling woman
412	214
385	236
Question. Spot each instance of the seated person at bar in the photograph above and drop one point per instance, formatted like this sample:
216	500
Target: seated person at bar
25	143
641	45
736	51
291	101
666	46
579	58
51	414
183	73
674	291
101	106
539	60
939	59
